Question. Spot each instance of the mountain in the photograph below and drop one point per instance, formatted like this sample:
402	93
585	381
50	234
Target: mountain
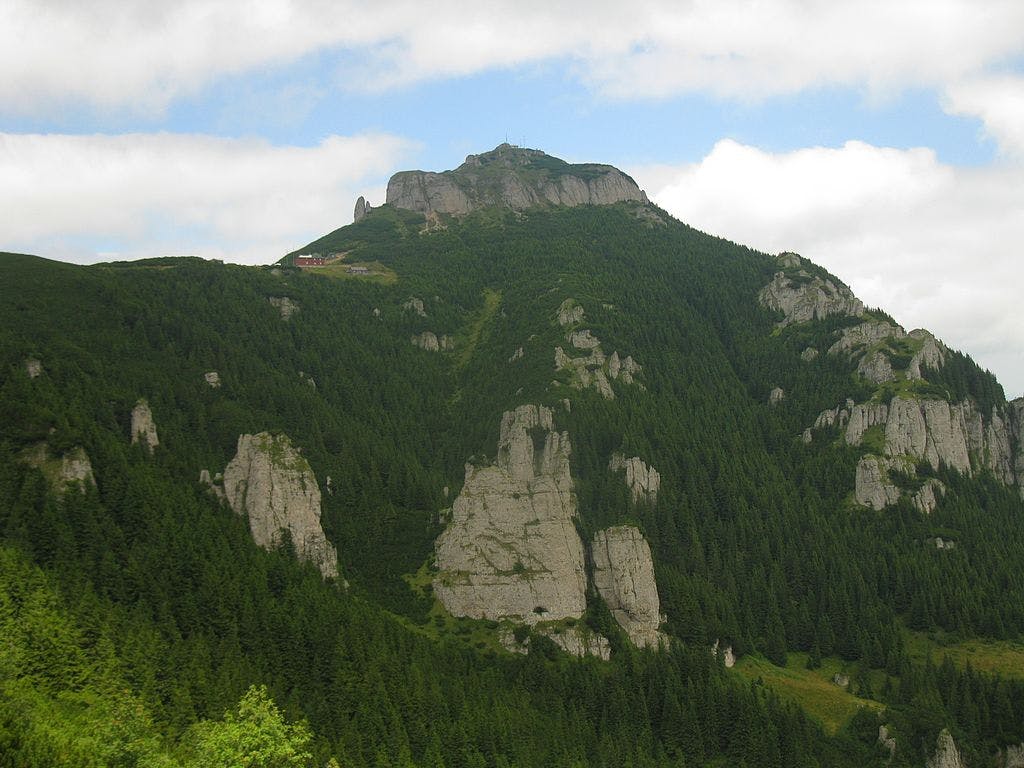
500	484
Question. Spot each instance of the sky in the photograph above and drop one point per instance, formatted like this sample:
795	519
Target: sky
883	140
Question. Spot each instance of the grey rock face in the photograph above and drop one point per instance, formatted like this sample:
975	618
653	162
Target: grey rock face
76	469
776	396
362	208
34	368
931	354
788	260
593	369
511	549
510	177
414	304
728	657
886	741
578	642
569	313
270	483
941	543
808	298
865	335
427	340
809	354
1016	419
946	753
643	481
927	497
872	487
212	378
624	577
875	366
1014	756
863	416
143	426
286	306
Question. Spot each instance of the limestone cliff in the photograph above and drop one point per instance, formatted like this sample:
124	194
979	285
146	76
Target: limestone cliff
801	296
511	549
624	577
511	177
270	483
143	427
69	471
285	305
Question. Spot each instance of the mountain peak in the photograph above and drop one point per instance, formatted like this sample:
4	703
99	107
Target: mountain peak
512	177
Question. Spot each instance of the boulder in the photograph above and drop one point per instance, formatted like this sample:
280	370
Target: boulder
511	550
33	367
624	577
271	483
143	427
212	378
776	396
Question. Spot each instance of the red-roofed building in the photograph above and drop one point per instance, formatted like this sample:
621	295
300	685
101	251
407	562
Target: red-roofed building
309	261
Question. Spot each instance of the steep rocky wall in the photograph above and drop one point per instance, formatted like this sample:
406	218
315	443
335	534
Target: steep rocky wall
803	297
510	177
511	549
270	483
624	577
946	754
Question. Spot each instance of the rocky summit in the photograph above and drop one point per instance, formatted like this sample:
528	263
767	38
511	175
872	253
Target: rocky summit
511	177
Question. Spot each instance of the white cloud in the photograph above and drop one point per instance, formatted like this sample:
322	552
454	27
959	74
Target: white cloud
999	102
935	246
153	194
141	55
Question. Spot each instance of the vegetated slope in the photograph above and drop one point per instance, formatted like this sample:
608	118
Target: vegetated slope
756	542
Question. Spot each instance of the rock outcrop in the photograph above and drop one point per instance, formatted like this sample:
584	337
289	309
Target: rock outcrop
34	368
643	481
570	313
593	369
212	378
776	396
886	741
511	550
801	297
270	483
286	306
624	577
872	487
728	657
413	304
362	208
69	471
575	640
1013	756
946	753
510	177
430	341
143	426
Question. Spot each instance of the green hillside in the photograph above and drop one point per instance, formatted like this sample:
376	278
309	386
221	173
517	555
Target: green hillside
168	608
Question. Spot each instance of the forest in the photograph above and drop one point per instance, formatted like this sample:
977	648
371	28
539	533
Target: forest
140	624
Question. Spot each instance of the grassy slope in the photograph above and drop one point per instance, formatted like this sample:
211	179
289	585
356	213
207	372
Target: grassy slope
813	690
